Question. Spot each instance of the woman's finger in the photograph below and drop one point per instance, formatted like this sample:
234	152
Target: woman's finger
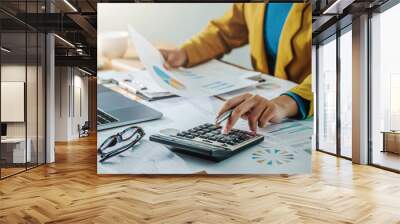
266	116
239	110
254	115
233	102
173	59
164	53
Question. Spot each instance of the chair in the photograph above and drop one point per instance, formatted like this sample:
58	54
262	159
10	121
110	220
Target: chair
84	129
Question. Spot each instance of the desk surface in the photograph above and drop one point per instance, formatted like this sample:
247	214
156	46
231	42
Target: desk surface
13	140
390	132
286	148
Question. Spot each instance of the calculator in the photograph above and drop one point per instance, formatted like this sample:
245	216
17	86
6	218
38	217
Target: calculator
208	142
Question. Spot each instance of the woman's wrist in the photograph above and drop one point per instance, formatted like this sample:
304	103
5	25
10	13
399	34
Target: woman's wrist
184	54
286	105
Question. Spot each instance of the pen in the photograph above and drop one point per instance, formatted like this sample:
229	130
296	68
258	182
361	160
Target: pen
223	117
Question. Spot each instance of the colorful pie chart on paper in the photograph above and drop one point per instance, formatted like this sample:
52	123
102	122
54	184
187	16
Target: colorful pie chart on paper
272	156
167	78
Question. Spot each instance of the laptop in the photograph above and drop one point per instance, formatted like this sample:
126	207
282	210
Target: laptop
115	110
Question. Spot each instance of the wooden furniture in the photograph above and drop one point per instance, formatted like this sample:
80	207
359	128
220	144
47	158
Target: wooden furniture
391	141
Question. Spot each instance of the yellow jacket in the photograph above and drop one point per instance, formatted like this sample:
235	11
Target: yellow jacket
243	24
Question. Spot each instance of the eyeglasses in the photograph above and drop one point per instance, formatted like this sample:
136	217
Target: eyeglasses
129	136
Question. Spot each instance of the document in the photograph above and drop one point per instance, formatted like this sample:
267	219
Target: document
137	82
271	87
209	79
145	158
152	158
286	149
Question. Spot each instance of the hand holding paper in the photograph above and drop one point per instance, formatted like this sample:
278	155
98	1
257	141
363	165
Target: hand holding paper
209	79
175	58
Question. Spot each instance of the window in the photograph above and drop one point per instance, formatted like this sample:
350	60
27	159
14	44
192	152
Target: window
385	88
346	93
327	96
22	78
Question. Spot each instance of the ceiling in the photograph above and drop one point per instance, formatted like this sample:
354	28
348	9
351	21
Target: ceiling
75	21
329	16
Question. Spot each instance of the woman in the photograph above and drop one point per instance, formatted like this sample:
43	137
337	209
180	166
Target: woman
279	35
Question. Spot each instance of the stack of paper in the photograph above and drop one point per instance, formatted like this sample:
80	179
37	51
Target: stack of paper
137	82
209	79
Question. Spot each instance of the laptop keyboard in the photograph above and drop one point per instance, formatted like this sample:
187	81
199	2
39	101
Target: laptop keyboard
104	118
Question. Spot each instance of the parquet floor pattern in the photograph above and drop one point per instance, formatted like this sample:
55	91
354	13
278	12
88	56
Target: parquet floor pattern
70	191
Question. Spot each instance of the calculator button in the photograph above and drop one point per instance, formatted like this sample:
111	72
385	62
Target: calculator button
205	125
231	143
216	132
214	127
221	140
239	141
189	136
218	137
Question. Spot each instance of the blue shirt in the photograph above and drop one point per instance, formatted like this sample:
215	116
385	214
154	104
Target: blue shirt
274	20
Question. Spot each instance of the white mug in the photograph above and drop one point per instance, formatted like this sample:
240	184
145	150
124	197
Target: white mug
112	44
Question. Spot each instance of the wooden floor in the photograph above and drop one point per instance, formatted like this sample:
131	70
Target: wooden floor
5	172
387	159
69	191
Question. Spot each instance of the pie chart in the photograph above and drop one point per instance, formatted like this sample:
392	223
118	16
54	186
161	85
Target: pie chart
272	156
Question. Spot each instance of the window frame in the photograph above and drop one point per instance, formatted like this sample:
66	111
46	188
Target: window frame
381	9
27	29
334	37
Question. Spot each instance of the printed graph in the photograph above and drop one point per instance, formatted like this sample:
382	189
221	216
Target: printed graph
190	74
272	156
167	78
269	86
218	85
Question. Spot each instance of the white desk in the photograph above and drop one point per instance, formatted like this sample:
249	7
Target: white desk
285	150
16	147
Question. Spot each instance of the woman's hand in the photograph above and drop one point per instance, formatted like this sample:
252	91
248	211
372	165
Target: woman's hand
174	58
258	110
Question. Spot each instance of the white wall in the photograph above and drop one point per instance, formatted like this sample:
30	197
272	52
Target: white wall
61	103
14	73
81	103
166	23
69	85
